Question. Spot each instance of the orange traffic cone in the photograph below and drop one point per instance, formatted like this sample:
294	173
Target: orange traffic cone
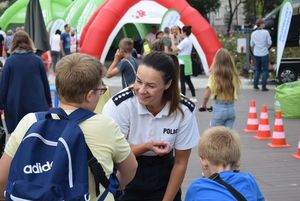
263	132
297	155
278	138
252	122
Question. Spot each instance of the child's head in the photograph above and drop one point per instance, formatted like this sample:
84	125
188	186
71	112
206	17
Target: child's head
76	75
126	45
220	146
223	60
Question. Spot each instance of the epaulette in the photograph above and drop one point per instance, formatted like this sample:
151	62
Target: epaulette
189	104
122	96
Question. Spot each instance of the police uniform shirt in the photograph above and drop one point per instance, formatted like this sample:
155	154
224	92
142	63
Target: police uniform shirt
140	126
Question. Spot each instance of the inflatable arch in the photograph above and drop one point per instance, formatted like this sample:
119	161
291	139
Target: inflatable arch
112	15
15	14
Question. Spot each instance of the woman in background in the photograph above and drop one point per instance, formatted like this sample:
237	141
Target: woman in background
24	86
184	50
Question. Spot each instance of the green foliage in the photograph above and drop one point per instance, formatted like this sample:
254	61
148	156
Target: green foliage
262	7
205	6
9	3
230	43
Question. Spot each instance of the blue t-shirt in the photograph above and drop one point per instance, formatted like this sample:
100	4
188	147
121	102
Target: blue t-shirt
205	189
66	38
128	71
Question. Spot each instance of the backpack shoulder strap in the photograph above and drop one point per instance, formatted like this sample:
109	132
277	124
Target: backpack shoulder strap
80	115
216	177
97	170
132	67
47	114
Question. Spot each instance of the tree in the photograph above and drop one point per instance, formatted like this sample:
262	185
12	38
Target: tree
262	7
232	10
4	4
205	6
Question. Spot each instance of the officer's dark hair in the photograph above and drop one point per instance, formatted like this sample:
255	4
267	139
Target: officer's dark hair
66	25
168	65
187	30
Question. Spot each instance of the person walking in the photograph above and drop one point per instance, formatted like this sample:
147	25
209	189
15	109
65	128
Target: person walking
24	86
65	41
219	150
55	48
223	84
184	50
261	41
160	125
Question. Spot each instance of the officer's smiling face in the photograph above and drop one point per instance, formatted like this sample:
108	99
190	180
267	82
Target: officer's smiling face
149	87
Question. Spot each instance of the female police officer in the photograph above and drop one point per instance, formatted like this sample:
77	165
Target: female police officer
160	125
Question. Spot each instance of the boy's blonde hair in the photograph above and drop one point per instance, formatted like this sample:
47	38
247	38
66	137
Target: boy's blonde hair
76	75
220	146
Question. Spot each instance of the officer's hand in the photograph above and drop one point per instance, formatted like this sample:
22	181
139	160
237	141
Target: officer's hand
159	147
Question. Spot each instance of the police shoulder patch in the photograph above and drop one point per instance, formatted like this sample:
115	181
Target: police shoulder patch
122	96
189	104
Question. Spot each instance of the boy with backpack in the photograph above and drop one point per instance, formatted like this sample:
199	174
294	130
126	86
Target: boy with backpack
48	158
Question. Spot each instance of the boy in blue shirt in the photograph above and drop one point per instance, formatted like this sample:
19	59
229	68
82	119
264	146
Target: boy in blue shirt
219	151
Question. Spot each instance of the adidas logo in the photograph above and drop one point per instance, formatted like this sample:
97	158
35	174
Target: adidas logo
38	168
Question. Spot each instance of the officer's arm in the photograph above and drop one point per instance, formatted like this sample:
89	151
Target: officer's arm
177	174
5	162
126	170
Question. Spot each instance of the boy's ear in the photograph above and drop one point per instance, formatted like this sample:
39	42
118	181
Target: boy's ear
89	96
204	163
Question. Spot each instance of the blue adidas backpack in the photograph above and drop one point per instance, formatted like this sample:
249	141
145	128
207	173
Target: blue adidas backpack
51	163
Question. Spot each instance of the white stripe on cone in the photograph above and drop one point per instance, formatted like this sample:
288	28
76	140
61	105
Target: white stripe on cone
252	122
278	122
252	110
263	127
264	115
278	135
